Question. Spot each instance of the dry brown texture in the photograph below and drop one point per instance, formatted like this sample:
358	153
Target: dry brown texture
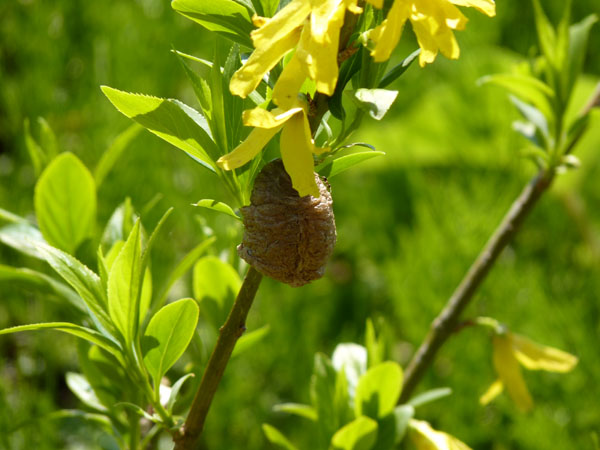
287	237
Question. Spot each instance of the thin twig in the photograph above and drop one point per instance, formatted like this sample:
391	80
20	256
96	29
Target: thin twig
446	322
234	327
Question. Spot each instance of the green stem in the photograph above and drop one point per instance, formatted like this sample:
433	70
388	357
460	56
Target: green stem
230	332
134	430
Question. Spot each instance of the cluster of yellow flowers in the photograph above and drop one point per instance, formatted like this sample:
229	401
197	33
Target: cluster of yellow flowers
311	28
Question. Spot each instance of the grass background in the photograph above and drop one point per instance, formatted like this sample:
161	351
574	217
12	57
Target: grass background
409	225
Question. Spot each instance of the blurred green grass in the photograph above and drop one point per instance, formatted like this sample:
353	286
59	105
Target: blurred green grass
409	225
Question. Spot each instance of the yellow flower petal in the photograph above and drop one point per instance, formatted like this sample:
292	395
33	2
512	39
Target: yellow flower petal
387	35
426	438
539	357
508	370
263	59
259	21
248	149
288	84
282	24
261	118
296	152
493	391
487	7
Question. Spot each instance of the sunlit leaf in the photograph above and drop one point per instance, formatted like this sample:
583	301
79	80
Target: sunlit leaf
376	102
65	202
250	339
170	120
168	335
360	434
112	154
336	166
276	437
82	389
215	205
298	409
378	390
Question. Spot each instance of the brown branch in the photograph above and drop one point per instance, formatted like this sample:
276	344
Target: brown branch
446	322
234	327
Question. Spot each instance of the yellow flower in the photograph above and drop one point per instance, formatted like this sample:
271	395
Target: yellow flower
426	438
511	349
296	144
432	22
313	26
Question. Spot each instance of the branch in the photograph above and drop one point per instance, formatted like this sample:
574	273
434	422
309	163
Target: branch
234	327
446	322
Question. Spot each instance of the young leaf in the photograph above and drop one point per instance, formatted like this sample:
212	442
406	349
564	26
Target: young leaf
23	237
352	359
322	394
70	328
119	225
360	434
43	281
168	335
47	139
402	415
85	282
124	279
398	69
224	17
171	120
175	391
429	396
248	340
38	158
378	390
183	266
298	409
578	37
82	389
333	167
216	284
276	437
114	152
7	216
527	88
546	34
217	206
376	102
65	202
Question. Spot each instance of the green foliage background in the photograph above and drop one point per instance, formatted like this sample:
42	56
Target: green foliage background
409	224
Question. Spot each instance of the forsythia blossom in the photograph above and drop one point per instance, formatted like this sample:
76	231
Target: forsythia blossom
426	438
511	349
296	145
432	22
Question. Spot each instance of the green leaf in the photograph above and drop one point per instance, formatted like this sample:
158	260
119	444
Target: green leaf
248	340
334	167
70	328
429	396
168	335
360	434
546	34
376	102
269	7
375	347
224	17
578	37
398	69
201	87
378	390
217	206
85	282
42	281
216	284
7	216
276	437
173	395
171	120
352	358
124	279
527	88
82	389
348	69
114	152
65	202
38	157
47	139
402	415
535	116
183	266
298	409
23	237
119	225
322	395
